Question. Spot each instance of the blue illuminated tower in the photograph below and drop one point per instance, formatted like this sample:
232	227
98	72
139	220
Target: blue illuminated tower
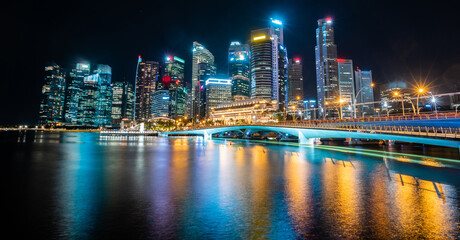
73	92
173	80
346	86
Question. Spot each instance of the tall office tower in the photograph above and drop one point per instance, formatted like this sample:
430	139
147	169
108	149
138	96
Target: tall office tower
53	95
295	81
173	80
74	88
364	93
86	115
268	63
346	87
203	67
147	72
326	68
240	87
104	96
129	101
217	91
238	60
160	103
118	91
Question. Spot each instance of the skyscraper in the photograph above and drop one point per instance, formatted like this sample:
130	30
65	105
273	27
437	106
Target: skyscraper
129	101
346	87
104	96
147	73
86	115
203	67
173	80
160	103
53	95
240	87
238	60
73	92
326	68
117	102
268	63
217	91
295	81
364	93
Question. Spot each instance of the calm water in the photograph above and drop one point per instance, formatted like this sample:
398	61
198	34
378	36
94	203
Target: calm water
78	185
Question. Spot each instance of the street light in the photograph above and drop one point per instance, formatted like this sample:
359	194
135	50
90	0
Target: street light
385	104
402	101
419	91
433	100
340	102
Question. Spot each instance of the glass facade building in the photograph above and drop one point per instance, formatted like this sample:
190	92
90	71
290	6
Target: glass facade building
240	87
160	103
365	93
173	80
346	87
238	60
146	77
74	91
217	91
53	95
203	67
295	80
326	68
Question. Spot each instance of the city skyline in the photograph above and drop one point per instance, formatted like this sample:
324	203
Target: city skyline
295	25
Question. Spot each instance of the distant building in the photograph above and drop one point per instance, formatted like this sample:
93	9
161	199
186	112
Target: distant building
53	95
238	60
217	91
203	67
147	73
74	89
392	95
364	93
240	86
118	92
346	87
160	103
174	81
326	68
310	112
129	100
246	111
295	81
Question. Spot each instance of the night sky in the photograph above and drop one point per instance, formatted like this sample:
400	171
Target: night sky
397	40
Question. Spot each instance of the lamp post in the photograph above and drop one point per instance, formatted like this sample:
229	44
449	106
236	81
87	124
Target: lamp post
402	101
341	112
433	100
419	91
385	104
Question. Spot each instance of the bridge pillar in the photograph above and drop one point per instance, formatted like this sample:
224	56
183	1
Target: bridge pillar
206	136
305	141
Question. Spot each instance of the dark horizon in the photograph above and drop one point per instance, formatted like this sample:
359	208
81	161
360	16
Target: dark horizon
404	41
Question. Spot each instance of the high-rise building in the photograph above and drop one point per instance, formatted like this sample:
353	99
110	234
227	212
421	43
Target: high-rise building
203	67
295	80
240	87
346	87
74	89
86	115
104	96
217	91
160	103
326	68
173	80
147	73
118	91
53	95
129	100
238	60
364	93
268	63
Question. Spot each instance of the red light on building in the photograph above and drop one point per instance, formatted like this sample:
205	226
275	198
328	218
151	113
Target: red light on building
166	80
329	20
297	60
340	60
177	82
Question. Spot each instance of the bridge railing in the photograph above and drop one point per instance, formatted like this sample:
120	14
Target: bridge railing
437	132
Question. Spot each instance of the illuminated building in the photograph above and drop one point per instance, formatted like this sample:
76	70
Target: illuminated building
53	95
217	91
202	68
95	101
268	63
326	67
147	73
240	87
117	102
246	111
160	103
346	86
392	94
365	93
129	100
173	80
73	92
310	111
295	80
238	60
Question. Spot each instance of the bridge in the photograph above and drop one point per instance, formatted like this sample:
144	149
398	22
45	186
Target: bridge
307	133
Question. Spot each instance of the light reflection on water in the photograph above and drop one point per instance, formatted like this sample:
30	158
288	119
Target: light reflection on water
148	187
